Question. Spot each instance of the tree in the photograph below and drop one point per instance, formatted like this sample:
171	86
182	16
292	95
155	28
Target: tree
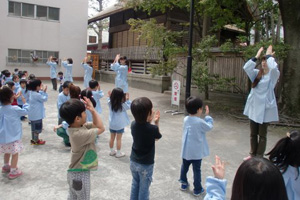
291	70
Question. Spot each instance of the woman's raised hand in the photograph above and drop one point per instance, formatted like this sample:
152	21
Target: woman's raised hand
259	52
270	51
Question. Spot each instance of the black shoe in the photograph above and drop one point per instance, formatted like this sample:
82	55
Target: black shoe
68	144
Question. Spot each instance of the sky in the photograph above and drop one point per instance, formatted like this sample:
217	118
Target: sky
108	3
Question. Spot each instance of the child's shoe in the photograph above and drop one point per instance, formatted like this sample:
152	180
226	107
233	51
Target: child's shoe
184	186
112	153
38	142
119	155
14	174
6	169
197	194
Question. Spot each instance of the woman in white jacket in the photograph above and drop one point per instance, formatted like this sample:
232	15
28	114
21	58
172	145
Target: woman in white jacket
261	106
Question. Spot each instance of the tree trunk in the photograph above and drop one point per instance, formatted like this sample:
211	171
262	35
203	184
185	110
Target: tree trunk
278	28
291	70
100	26
273	27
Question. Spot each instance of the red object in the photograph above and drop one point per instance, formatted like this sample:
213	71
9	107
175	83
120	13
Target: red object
129	69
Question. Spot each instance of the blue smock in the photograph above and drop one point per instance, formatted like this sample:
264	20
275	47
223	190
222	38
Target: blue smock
68	72
118	120
97	95
53	66
121	78
88	72
36	102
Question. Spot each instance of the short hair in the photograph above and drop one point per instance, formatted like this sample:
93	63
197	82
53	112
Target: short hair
15	77
192	104
74	91
70	60
16	69
23	81
124	58
66	84
33	84
89	62
88	94
258	178
71	109
93	83
31	77
5	95
141	108
10	84
60	73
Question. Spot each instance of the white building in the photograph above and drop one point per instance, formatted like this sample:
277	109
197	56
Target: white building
44	28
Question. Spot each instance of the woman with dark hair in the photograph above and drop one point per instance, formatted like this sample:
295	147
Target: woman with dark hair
286	156
120	66
255	179
261	106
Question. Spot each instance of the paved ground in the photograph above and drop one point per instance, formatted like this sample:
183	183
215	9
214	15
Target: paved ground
45	167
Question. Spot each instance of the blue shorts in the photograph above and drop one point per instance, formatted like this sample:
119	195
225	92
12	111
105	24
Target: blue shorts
117	131
37	126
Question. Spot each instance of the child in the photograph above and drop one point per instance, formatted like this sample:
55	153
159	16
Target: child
194	144
36	113
286	156
31	77
16	80
74	91
256	179
11	131
120	67
23	93
62	131
12	86
60	79
88	71
62	98
118	105
52	62
144	135
16	71
88	94
7	77
97	94
68	65
83	150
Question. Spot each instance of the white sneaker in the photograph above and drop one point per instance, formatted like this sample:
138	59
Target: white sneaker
112	153
119	155
247	158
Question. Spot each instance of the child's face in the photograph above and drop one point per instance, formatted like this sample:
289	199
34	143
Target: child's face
123	62
82	119
66	91
16	79
60	75
23	85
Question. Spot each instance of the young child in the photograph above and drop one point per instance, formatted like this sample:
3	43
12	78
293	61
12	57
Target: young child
62	98
12	86
16	71
144	135
23	93
74	91
286	156
52	62
88	94
62	131
60	79
194	144
7	77
68	65
120	67
11	131
16	80
83	150
88	71
118	105
36	114
97	94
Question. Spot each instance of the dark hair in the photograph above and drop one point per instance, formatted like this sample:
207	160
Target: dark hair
21	74
70	60
259	75
74	91
66	84
88	94
31	77
54	59
93	83
71	109
23	81
5	95
89	62
7	74
287	152
16	69
257	178
60	73
192	104
10	84
25	72
117	98
15	77
141	108
33	84
123	58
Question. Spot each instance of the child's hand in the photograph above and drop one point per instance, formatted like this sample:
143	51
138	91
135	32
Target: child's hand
219	168
270	51
88	104
109	93
156	117
44	88
18	94
23	99
55	128
117	57
206	110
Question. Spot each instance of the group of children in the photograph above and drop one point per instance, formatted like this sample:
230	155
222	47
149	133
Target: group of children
79	123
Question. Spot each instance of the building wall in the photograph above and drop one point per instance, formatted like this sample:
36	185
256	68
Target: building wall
68	36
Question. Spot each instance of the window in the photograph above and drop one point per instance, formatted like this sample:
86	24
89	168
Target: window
25	56
14	8
33	11
53	13
41	12
27	10
92	39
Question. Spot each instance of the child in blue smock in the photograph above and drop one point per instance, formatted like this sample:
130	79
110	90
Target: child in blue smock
118	104
23	93
194	144
36	114
88	94
88	71
97	94
68	65
11	131
52	62
286	156
62	98
16	79
121	68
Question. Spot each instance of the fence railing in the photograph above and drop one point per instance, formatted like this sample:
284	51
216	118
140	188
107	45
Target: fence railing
12	60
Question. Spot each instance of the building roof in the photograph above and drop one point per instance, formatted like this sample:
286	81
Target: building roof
108	12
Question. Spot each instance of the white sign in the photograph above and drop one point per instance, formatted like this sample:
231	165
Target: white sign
175	92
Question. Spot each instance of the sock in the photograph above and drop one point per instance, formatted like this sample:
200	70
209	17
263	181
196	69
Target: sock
6	165
119	152
112	149
13	170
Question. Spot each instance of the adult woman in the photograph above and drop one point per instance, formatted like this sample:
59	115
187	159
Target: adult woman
261	106
121	68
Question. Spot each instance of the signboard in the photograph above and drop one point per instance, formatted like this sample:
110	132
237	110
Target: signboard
175	92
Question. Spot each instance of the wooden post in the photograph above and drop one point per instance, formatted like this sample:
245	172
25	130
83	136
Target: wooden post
145	67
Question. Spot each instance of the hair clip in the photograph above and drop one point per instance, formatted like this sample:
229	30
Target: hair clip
288	134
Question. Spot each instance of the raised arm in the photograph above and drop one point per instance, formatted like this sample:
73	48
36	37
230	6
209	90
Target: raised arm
273	66
249	67
97	122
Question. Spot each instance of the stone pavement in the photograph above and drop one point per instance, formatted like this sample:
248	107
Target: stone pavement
45	167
